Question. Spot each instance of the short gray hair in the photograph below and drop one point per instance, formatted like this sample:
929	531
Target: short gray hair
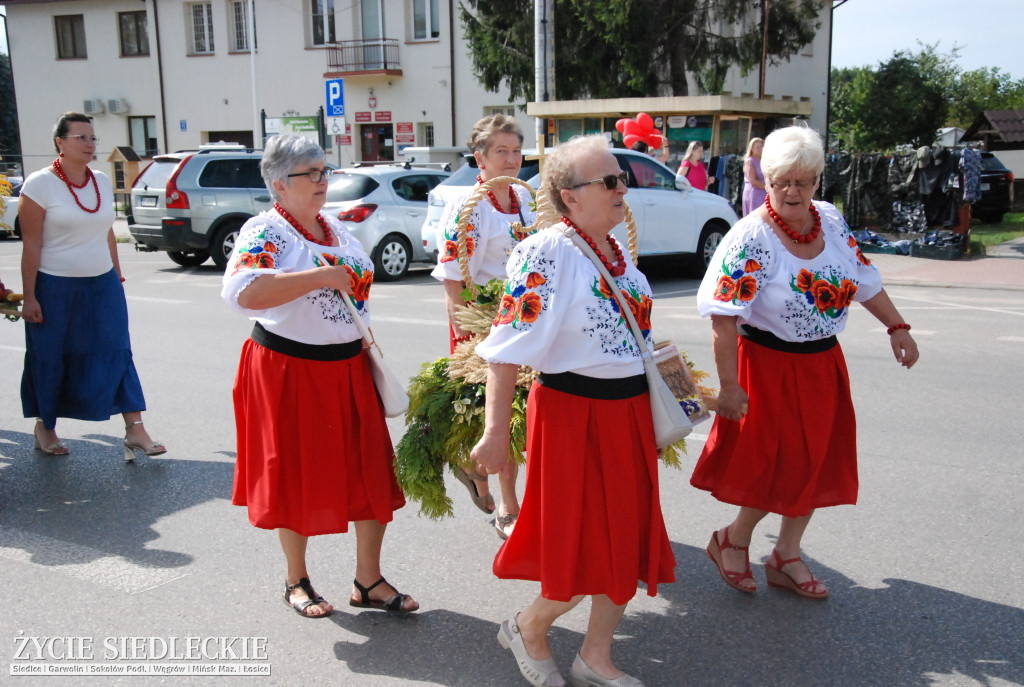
561	167
282	154
794	147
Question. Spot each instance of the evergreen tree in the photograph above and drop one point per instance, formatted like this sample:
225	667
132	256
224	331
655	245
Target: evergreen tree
10	139
626	48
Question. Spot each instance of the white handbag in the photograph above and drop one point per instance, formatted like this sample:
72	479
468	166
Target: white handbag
670	421
390	389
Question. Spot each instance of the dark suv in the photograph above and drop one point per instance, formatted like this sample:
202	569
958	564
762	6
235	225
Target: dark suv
996	190
191	204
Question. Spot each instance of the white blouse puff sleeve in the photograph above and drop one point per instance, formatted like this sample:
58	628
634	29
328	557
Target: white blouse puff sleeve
754	277
267	244
557	315
490	238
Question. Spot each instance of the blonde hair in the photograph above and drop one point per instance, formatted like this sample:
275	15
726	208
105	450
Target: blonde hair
750	146
561	166
690	148
793	147
480	137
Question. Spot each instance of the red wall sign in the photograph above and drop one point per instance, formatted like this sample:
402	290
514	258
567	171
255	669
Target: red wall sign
381	116
363	117
344	140
405	138
403	127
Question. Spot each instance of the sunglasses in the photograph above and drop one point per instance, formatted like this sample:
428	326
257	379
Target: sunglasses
84	138
610	181
315	175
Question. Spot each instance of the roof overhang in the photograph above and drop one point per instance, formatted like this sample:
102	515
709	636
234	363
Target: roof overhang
683	105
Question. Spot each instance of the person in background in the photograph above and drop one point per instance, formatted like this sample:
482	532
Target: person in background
753	179
78	357
591	523
693	167
781	286
314	452
497	145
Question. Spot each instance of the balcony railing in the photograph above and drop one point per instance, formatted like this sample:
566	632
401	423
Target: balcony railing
368	55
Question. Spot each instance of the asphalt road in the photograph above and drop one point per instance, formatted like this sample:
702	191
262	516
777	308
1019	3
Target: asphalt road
927	571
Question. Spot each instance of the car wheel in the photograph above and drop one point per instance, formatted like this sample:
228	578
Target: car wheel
391	258
188	259
710	237
17	227
223	243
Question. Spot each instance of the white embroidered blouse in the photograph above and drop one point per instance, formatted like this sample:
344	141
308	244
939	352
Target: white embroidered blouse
754	277
490	238
267	244
558	315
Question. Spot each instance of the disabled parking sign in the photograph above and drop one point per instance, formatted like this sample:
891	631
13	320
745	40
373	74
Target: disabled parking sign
335	98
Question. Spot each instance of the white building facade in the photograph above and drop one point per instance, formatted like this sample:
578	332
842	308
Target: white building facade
160	76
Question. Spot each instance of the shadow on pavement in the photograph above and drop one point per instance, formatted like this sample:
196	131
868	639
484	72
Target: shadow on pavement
75	509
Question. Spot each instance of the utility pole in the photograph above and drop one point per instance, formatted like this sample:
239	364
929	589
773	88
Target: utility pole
544	59
766	5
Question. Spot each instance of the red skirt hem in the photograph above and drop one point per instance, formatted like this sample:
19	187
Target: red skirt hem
314	452
796	448
591	520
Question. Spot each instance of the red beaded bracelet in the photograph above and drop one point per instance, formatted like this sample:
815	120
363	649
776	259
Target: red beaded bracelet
901	325
467	337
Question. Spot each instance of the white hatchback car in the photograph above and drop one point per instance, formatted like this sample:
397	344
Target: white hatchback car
384	207
9	226
672	218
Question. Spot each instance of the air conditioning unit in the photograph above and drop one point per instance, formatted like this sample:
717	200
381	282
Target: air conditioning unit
93	106
118	106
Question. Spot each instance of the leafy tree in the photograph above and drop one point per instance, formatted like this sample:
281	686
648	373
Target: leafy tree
10	139
984	89
624	48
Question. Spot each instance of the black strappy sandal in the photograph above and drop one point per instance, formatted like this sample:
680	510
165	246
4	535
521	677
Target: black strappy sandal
395	604
301	606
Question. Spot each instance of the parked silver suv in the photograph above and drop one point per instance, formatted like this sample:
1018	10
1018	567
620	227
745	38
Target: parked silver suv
191	204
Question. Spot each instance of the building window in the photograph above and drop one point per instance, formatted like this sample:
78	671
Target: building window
200	18
321	23
426	136
142	135
70	30
426	20
240	27
507	110
132	28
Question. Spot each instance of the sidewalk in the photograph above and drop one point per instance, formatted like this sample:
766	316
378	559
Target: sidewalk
1002	267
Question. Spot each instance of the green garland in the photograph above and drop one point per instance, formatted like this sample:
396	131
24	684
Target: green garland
436	437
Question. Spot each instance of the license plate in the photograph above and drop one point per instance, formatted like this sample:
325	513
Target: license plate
985	187
147	201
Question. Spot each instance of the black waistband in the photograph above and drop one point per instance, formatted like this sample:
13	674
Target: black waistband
593	387
769	340
297	349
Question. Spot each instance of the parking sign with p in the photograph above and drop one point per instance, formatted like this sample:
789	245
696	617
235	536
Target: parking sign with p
335	98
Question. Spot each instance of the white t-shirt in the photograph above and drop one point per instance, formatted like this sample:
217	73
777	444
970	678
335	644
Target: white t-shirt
490	238
557	314
74	241
753	277
267	244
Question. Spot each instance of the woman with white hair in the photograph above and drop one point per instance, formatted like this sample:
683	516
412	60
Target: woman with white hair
314	453
591	522
778	291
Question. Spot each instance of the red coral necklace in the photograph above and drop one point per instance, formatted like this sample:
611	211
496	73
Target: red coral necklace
513	202
59	171
795	235
616	270
328	236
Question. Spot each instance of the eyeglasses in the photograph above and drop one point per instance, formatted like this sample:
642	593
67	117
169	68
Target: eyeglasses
83	138
610	181
801	185
315	175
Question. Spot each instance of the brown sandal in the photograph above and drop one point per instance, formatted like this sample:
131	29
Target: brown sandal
731	577
781	580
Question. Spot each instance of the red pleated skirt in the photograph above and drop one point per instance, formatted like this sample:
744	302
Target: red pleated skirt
314	453
591	518
796	448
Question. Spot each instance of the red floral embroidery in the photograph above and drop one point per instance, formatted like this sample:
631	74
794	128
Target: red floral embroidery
360	283
535	279
332	260
451	250
506	311
530	306
751	266
804	280
826	296
852	242
726	289
847	290
746	287
864	261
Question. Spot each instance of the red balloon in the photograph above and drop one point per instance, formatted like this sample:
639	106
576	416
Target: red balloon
629	139
632	128
645	121
621	124
654	141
